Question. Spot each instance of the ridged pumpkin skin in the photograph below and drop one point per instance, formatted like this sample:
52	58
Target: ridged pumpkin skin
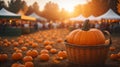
86	36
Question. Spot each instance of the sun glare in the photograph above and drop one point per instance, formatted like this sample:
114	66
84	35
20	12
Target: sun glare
70	4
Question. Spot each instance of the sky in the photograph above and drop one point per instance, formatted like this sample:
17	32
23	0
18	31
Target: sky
66	4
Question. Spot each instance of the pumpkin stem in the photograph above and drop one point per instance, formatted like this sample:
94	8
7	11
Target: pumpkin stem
86	25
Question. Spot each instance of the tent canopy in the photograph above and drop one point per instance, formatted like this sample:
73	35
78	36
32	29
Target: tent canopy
38	17
24	17
7	14
80	17
110	14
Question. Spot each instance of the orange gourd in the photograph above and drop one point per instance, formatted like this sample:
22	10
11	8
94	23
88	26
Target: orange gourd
48	47
44	57
44	51
53	50
27	58
17	56
3	57
62	54
17	65
29	64
86	36
32	52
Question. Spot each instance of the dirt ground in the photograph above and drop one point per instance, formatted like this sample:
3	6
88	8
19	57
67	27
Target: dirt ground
53	35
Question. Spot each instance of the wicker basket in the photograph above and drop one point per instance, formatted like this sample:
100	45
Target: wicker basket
87	55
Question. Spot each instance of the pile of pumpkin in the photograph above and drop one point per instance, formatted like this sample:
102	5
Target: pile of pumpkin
42	45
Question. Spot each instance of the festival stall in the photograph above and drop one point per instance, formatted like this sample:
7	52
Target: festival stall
38	18
11	23
6	23
109	16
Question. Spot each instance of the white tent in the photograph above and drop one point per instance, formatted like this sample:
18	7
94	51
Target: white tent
110	14
91	17
38	17
7	14
80	17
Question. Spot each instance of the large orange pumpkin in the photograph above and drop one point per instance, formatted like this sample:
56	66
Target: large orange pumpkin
86	36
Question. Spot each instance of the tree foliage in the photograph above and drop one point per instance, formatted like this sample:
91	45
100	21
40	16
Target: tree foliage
51	11
95	7
16	5
2	4
118	6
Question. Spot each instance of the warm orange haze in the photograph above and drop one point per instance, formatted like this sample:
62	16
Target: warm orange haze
59	33
66	4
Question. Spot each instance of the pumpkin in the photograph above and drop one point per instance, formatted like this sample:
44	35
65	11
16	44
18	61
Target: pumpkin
44	51
27	58
112	48
62	54
118	55
59	40
24	48
44	57
46	42
26	44
3	57
29	64
15	44
113	56
53	51
17	65
32	52
83	36
17	56
34	45
48	47
18	50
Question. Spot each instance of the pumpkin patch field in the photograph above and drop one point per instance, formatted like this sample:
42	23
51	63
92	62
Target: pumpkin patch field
46	48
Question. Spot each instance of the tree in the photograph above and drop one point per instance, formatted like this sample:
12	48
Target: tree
2	4
24	7
30	10
36	7
17	5
118	6
51	11
95	7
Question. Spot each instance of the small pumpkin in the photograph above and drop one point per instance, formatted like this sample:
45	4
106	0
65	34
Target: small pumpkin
24	48
29	64
113	56
44	51
15	44
32	52
62	54
83	36
48	47
112	48
18	50
3	57
27	58
17	65
46	42
17	56
53	50
44	57
59	40
34	45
